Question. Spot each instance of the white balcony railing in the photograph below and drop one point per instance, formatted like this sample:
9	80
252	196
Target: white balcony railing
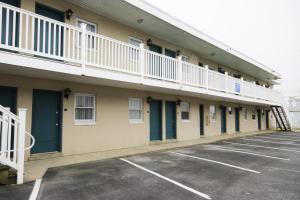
26	32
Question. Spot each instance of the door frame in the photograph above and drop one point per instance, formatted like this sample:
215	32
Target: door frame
60	117
201	119
175	119
161	121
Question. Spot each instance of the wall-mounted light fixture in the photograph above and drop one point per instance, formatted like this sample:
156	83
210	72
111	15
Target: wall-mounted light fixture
149	99
69	14
67	93
149	42
178	102
178	52
229	110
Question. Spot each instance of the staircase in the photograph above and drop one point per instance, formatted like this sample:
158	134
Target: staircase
281	118
12	144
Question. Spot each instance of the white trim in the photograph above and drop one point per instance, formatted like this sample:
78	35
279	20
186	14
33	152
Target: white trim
87	22
134	38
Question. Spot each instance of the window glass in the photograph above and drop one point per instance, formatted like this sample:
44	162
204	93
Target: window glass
135	109
91	27
84	108
185	110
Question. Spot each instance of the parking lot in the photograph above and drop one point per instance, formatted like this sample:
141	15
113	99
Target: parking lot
257	167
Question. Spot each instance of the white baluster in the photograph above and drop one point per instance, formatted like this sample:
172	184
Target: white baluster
142	60
83	47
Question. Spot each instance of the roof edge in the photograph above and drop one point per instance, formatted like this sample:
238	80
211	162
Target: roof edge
153	10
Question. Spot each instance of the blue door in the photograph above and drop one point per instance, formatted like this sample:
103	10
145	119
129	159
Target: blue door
155	120
201	118
54	44
259	119
223	120
10	26
46	121
237	119
170	120
8	98
267	120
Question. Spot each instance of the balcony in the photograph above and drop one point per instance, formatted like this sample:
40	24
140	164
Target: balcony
26	33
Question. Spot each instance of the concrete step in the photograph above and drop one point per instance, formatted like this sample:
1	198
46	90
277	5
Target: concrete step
43	156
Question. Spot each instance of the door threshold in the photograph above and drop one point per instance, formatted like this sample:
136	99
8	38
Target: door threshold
43	156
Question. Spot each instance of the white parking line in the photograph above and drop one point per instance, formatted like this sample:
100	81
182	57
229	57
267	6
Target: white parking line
35	189
285	136
274	138
260	140
214	147
167	179
218	162
252	145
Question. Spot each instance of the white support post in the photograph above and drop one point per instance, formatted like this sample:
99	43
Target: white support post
4	136
226	82
206	76
21	145
142	60
180	78
83	47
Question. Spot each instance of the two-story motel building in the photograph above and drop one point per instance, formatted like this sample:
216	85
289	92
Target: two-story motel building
98	75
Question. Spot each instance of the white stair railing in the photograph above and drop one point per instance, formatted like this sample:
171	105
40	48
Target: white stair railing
12	140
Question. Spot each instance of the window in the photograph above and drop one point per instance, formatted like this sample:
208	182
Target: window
253	115
212	113
91	27
185	110
133	53
135	109
245	114
84	108
185	58
134	41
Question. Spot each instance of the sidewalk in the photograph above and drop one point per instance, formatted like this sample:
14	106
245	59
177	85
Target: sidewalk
36	169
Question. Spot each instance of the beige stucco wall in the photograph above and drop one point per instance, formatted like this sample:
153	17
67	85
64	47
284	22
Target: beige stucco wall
112	129
121	32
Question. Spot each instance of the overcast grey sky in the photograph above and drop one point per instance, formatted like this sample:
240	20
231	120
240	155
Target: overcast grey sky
266	30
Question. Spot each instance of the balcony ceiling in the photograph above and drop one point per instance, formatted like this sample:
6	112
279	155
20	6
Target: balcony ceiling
163	26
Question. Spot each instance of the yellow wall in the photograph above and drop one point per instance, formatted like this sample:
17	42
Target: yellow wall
112	129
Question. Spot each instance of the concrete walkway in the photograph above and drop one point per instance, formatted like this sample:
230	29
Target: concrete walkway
36	169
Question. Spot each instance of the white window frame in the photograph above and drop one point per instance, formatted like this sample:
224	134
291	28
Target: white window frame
132	58
189	111
185	57
141	120
211	118
89	23
85	122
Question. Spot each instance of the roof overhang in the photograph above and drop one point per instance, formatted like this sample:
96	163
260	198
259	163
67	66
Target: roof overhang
161	25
